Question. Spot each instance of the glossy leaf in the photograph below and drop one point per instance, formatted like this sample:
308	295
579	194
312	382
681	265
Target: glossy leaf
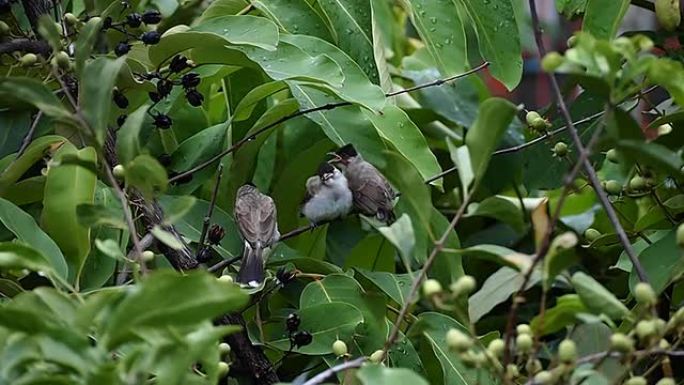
396	286
19	256
400	234
223	7
662	262
147	175
381	375
496	289
597	298
128	136
16	125
295	17
97	82
603	19
43	146
558	317
32	91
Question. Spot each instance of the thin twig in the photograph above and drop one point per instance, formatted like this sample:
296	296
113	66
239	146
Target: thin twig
29	135
226	262
210	211
324	375
588	168
324	107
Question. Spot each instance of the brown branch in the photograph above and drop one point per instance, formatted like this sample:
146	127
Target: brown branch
34	9
324	375
210	211
25	45
588	168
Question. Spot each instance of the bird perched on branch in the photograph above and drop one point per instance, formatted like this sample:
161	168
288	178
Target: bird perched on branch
372	193
257	221
328	196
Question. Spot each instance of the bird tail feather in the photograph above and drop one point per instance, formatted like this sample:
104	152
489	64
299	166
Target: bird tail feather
252	267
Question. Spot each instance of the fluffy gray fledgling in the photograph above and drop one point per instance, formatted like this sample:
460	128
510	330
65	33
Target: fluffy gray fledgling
328	195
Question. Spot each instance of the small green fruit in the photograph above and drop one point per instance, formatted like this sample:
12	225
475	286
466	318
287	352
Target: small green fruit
560	149
664	129
551	61
680	235
638	380
591	234
637	183
119	171
225	278
544	378
540	124
458	341
147	256
4	28
621	343
512	371
431	287
531	116
463	286
524	343
572	41
70	18
567	351
222	369
644	294
62	60
339	348
666	381
613	156
643	42
523	329
224	348
533	366
28	60
94	20
496	347
645	329
667	13
376	357
613	187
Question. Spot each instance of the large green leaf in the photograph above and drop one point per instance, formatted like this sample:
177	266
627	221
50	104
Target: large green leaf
558	317
15	126
441	29
597	298
18	256
662	262
128	136
351	23
68	185
602	19
380	375
222	8
147	175
27	231
97	83
396	286
497	35
38	149
496	289
295	17
32	91
150	305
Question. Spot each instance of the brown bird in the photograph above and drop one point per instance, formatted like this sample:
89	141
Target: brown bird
257	221
372	194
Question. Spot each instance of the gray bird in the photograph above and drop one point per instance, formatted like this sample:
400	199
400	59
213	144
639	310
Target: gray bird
327	195
373	195
257	221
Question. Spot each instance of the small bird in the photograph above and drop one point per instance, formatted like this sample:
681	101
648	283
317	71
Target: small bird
257	221
328	196
373	195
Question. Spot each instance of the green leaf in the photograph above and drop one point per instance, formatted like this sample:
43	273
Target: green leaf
69	185
147	175
494	116
326	322
373	252
560	256
570	8
223	7
351	21
662	262
91	215
97	82
247	104
19	256
128	136
499	254
400	234
497	35
27	231
150	305
597	298
38	149
620	125
87	37
381	375
396	286
558	317
394	126
295	17
16	124
496	289
32	91
167	238
602	19
199	147
502	209
651	154
441	29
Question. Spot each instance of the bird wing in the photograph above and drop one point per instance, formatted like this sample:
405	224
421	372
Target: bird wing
371	191
268	220
246	217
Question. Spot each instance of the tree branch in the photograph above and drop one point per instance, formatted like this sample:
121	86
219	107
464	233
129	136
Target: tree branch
324	375
25	45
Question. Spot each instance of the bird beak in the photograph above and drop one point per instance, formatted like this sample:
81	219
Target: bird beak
335	158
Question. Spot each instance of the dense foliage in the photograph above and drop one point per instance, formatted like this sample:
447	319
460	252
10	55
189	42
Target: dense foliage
532	244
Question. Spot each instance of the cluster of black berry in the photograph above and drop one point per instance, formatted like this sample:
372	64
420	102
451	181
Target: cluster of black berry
214	236
134	20
298	338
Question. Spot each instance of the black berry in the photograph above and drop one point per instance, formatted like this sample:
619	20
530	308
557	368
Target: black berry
194	98
121	120
164	87
107	23
150	38
120	99
301	338
285	276
122	48
292	322
162	121
151	16
215	234
164	160
190	80
134	20
204	255
178	63
154	97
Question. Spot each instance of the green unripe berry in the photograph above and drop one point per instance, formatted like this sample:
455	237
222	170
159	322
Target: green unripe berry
663	344
147	256
644	294
621	343
543	378
496	347
376	357
62	60
613	187
458	341
540	124
668	14
567	351
339	348
431	287
637	380
645	329
591	234
560	149
222	369
28	60
666	381
70	18
94	20
119	171
4	28
613	156
637	183
524	343
533	366
512	371
523	329
224	348
463	286
643	42
572	41
551	61
225	279
531	116
680	235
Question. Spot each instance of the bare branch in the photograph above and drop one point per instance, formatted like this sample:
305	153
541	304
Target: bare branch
324	375
25	45
210	211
